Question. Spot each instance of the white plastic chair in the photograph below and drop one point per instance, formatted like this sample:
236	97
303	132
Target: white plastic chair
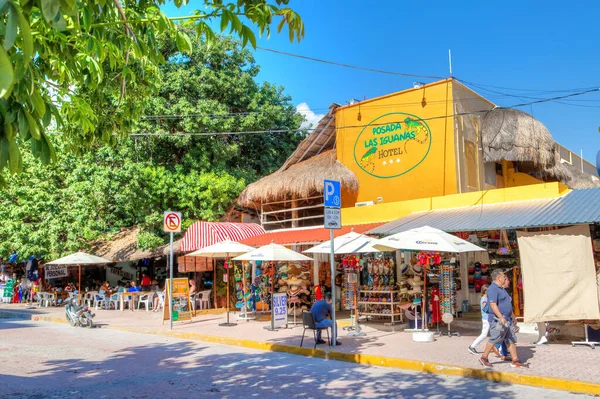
146	300
204	299
161	300
89	298
41	297
47	299
100	300
116	300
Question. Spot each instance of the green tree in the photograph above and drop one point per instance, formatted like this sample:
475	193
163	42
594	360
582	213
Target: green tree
60	58
215	90
63	207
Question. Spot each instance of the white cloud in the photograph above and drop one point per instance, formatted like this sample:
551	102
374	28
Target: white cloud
311	119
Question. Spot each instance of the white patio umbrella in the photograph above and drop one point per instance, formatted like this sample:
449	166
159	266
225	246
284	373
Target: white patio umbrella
223	249
80	258
350	243
272	253
425	238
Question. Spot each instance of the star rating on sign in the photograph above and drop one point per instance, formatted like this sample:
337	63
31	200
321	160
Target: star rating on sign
391	161
384	163
397	160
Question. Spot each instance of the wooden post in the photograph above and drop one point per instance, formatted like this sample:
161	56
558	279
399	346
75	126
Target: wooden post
295	211
214	262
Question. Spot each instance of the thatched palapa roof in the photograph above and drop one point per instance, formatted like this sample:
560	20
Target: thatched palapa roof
511	135
122	247
572	176
321	139
302	179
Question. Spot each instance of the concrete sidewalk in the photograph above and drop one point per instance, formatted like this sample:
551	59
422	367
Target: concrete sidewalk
557	366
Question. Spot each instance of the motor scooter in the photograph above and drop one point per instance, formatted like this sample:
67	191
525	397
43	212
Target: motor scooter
78	316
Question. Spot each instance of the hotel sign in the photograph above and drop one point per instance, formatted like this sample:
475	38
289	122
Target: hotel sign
392	145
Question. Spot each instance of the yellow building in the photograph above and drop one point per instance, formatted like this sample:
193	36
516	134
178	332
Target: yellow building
414	150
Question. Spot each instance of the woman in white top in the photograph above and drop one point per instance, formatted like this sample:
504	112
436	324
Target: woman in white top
485	328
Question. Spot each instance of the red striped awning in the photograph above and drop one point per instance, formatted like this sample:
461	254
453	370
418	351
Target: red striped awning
203	234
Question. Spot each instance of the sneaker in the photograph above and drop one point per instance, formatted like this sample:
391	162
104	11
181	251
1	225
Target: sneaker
485	362
320	342
541	341
473	350
516	364
338	343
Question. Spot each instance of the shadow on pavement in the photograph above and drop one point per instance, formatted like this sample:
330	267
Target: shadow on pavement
187	369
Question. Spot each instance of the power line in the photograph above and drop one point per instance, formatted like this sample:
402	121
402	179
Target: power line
348	65
359	126
482	86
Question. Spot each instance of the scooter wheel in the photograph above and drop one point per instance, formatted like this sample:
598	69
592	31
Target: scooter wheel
71	322
87	323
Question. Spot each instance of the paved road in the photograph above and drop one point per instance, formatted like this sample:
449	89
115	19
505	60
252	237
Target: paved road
42	360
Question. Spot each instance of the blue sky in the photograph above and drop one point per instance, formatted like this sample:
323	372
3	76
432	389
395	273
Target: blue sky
537	45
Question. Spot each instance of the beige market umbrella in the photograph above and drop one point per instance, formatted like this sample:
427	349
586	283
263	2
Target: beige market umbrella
79	259
223	249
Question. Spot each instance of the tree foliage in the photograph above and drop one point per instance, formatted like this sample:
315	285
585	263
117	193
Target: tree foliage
58	56
61	208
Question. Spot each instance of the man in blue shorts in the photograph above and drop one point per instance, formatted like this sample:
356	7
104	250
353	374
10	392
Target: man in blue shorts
500	318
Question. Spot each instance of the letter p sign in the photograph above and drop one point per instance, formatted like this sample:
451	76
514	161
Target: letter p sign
332	194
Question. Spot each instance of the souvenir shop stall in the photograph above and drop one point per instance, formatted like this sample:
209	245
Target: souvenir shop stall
19	281
367	278
432	250
279	270
290	277
501	253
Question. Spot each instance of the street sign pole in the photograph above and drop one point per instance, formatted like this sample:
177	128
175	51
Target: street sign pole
332	198
171	283
171	224
332	262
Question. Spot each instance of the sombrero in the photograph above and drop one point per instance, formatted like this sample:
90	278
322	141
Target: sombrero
403	268
415	281
294	281
417	269
416	290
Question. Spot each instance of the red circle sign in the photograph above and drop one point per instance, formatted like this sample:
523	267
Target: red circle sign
172	221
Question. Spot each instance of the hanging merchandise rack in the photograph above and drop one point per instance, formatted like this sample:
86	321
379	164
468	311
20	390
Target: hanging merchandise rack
449	300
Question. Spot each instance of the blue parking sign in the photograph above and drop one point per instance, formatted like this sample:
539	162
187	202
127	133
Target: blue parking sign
332	194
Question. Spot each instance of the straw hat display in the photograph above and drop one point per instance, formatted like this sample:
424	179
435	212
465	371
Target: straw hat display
403	268
416	290
415	281
295	281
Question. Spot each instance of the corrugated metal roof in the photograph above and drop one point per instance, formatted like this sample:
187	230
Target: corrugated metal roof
575	207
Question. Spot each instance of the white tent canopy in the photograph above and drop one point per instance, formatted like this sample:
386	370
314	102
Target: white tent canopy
273	252
351	243
223	249
80	258
425	239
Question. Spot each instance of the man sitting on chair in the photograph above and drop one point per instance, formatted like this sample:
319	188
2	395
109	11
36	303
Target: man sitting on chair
320	311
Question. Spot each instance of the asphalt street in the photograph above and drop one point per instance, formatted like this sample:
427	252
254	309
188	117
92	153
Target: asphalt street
44	360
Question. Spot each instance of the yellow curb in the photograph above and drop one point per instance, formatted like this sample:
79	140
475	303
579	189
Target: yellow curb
382	361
